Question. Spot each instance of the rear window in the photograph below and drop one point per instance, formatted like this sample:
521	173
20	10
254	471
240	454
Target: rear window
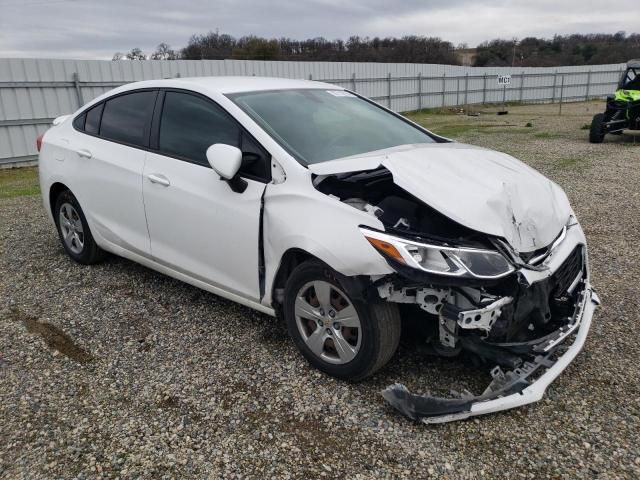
126	118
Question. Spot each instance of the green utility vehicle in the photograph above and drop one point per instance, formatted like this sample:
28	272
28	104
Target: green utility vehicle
623	107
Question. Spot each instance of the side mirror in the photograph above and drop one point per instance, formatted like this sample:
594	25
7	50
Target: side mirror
226	161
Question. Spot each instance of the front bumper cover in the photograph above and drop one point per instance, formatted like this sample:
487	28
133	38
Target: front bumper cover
507	390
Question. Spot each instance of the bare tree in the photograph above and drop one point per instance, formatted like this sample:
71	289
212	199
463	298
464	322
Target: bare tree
164	52
136	54
117	56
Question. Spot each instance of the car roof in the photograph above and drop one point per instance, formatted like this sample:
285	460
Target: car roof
228	84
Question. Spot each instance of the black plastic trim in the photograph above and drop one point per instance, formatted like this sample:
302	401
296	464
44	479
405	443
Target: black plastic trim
261	259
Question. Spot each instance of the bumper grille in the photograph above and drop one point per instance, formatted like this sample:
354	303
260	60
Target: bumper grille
568	271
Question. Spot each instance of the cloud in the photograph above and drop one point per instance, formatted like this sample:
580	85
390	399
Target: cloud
98	28
475	22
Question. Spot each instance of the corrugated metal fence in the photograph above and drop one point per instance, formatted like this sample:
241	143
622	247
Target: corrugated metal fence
35	91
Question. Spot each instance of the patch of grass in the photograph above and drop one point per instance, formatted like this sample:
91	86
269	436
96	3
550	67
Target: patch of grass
571	163
497	129
547	135
586	126
433	111
455	130
452	130
19	182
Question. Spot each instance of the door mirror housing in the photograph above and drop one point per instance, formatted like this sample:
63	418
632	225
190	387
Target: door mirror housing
226	161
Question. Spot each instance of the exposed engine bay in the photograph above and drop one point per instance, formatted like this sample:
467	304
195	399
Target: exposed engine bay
517	327
376	193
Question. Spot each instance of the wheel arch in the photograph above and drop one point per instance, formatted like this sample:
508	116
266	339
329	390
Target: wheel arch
354	286
54	191
288	262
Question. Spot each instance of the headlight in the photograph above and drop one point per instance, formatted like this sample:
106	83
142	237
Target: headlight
440	260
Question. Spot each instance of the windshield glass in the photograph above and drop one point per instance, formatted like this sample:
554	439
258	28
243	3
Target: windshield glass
630	79
319	125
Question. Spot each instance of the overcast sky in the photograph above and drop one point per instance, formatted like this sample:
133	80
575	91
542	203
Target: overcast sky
98	28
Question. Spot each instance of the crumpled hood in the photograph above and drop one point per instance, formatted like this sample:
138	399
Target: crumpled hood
485	190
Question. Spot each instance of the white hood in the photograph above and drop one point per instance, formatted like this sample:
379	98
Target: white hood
487	191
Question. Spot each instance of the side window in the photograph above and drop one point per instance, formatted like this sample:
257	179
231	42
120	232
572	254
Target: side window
92	125
126	117
190	124
78	122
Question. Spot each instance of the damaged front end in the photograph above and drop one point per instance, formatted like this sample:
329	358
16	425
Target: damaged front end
523	370
525	315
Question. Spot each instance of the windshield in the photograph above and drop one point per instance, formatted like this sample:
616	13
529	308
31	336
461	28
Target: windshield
630	79
319	125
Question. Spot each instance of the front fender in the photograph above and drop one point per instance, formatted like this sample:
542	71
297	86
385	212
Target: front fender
320	225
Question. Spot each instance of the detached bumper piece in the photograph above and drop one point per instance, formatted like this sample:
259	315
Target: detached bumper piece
520	386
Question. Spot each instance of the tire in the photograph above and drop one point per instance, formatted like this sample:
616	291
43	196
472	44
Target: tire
372	344
74	231
596	134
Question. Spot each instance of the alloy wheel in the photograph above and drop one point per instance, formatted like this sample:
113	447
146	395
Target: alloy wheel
328	322
71	228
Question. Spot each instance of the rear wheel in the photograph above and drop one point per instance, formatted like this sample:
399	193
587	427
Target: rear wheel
342	336
596	132
74	231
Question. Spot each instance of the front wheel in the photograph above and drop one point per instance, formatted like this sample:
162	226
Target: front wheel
342	336
596	132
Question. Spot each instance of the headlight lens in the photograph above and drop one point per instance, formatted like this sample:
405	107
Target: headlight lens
440	260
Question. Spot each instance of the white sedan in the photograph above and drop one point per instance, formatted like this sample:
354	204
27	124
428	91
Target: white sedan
304	200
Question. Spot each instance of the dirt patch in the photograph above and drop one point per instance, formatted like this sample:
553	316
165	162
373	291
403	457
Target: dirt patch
53	337
169	402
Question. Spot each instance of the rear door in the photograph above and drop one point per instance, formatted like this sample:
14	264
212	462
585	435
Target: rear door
111	151
197	224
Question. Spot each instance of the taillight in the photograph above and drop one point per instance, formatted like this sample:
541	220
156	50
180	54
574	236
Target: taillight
39	141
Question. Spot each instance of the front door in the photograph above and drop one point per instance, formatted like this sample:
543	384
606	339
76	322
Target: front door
197	224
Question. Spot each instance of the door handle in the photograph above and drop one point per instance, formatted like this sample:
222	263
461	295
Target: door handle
83	152
159	179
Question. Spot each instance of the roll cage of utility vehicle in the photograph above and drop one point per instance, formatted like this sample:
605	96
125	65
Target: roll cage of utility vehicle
623	107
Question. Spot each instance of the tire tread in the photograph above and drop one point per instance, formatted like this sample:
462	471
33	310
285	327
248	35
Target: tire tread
595	131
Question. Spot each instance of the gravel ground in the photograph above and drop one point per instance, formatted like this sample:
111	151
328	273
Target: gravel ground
117	371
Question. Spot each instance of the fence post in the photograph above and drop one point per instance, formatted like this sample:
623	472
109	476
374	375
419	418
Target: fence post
389	90
561	93
466	89
444	87
419	90
521	86
457	91
76	84
310	77
484	88
555	79
353	81
586	97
